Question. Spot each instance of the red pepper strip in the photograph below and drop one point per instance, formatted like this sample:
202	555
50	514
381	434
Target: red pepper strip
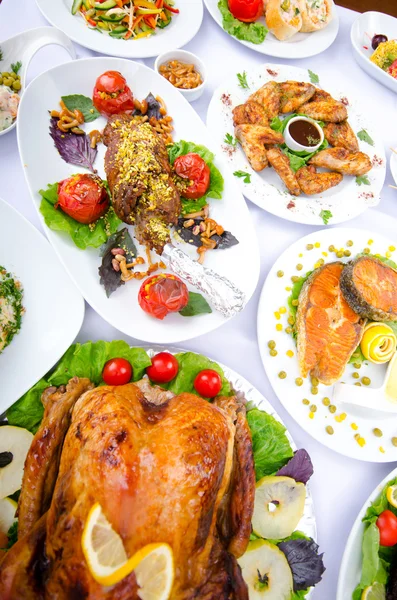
171	8
159	3
150	20
91	22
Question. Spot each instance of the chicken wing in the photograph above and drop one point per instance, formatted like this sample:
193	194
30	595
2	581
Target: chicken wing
294	94
311	182
341	135
268	96
250	112
325	110
253	139
320	94
343	161
280	164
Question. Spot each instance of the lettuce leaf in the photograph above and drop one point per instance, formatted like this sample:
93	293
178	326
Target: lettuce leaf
82	235
190	365
271	447
249	32
215	189
82	360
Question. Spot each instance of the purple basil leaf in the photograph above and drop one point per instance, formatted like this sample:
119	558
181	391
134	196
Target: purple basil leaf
299	467
74	149
226	240
306	563
109	278
153	108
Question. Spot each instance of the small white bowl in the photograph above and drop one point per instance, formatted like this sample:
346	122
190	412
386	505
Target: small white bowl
294	145
363	28
189	58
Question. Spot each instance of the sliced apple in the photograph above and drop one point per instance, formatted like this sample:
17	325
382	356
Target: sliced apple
8	509
279	506
14	445
266	572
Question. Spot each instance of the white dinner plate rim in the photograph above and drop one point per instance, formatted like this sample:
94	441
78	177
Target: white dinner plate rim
77	317
252	191
283	49
50	233
144	48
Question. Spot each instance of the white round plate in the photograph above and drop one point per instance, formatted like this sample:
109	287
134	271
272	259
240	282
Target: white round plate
350	570
54	307
122	310
393	166
301	45
345	201
355	421
179	32
361	33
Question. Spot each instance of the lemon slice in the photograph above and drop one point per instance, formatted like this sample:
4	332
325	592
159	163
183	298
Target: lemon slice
391	495
8	508
376	591
108	563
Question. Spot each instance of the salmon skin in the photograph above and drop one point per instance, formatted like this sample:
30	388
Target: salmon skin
328	330
370	288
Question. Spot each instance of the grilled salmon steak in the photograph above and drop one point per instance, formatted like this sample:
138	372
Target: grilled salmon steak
328	329
370	288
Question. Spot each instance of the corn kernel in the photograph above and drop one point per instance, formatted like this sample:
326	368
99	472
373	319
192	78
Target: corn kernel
279	327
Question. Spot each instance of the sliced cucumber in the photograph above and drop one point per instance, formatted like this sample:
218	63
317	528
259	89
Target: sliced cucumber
76	6
116	35
105	5
114	18
87	4
120	29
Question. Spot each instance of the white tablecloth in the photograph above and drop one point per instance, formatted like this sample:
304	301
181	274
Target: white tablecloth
340	485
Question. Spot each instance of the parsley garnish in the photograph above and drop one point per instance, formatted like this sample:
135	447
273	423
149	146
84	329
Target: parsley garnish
242	80
362	180
16	66
364	136
1	54
313	77
244	174
229	139
326	215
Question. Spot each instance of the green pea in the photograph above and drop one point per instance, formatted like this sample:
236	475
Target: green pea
280	273
271	344
282	374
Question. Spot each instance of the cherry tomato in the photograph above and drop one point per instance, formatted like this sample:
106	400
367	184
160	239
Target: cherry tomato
246	10
208	383
392	70
112	95
117	371
164	368
83	197
387	525
192	166
162	294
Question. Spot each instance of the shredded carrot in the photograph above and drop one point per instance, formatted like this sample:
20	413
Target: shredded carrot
126	20
137	21
128	35
91	22
159	3
163	16
151	21
119	3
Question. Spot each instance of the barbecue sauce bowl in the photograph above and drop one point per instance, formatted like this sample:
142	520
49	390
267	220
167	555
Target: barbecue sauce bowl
303	134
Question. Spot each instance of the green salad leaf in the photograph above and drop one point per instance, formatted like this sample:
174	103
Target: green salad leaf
82	235
82	360
271	447
326	215
190	365
362	180
83	104
215	189
295	291
314	78
246	177
249	32
364	136
197	305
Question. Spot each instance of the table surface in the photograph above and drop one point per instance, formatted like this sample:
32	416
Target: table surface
340	485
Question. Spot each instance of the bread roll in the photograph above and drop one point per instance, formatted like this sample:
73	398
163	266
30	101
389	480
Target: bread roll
316	14
283	18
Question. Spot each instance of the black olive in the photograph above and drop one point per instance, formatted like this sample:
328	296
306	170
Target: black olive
378	38
5	459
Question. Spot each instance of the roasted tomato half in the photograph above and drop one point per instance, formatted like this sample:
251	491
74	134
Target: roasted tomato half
112	95
83	197
246	10
191	166
162	294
